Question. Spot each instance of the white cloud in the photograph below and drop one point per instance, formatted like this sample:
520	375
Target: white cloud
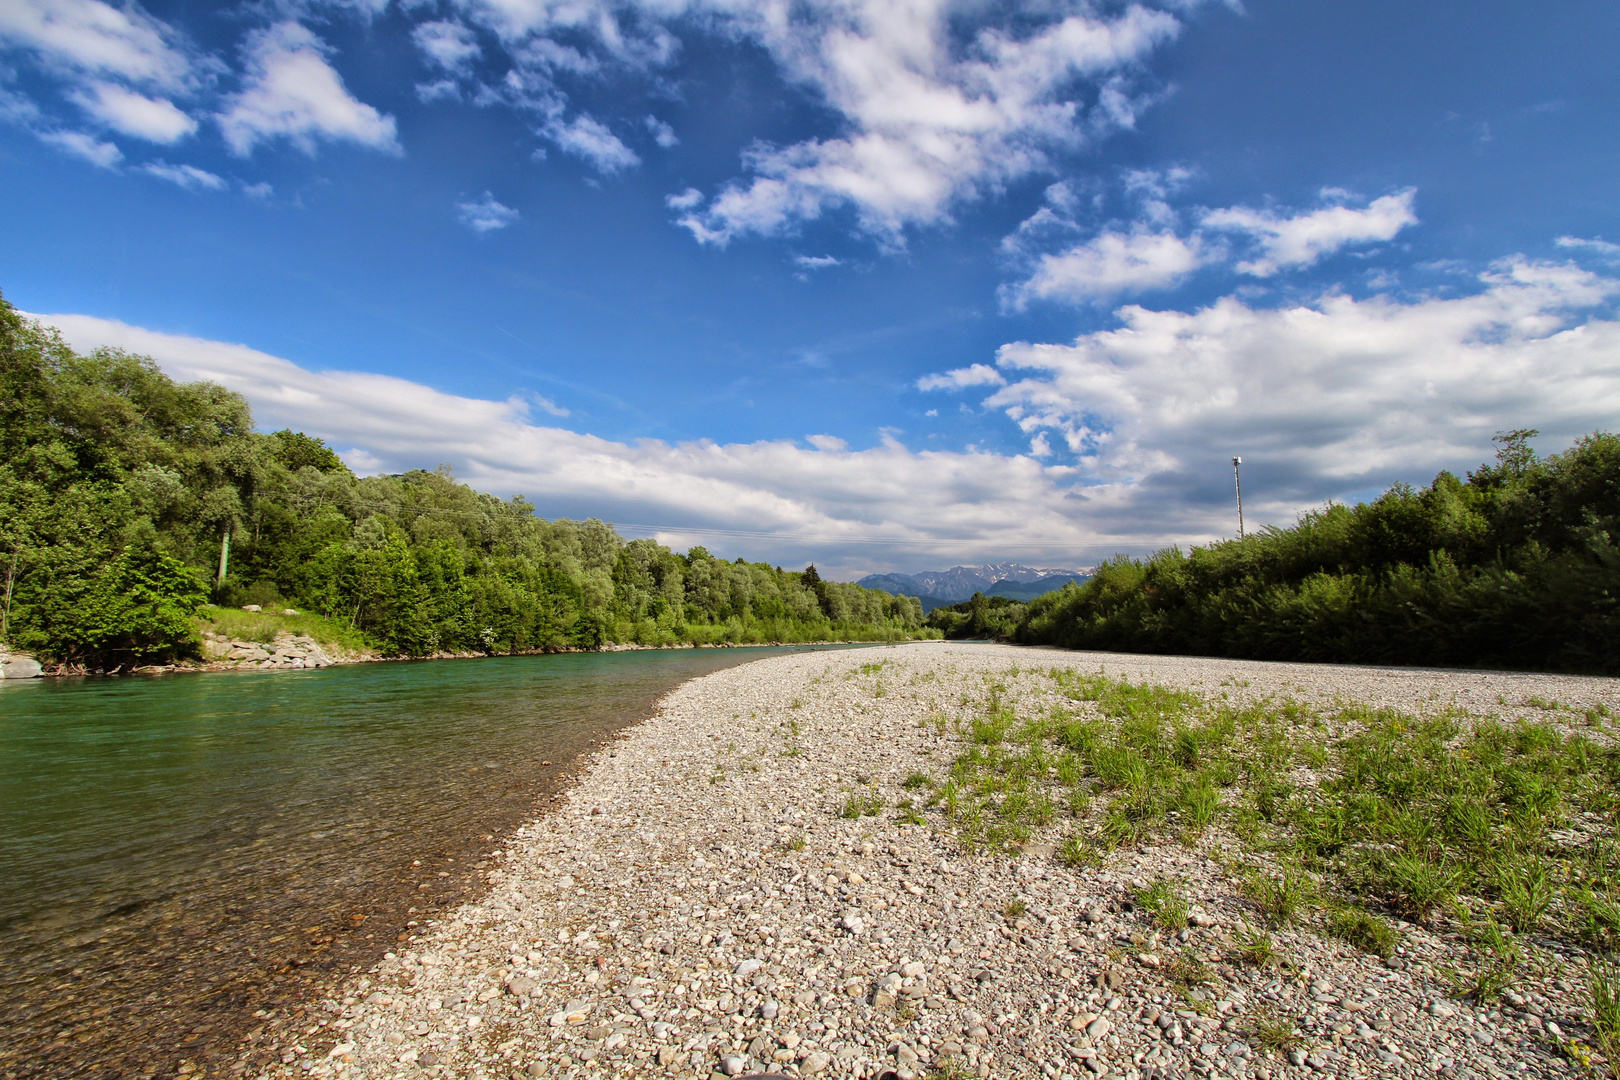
1602	248
153	119
448	46
816	262
438	90
1323	399
588	138
260	191
91	149
91	37
186	176
662	133
931	123
855	509
1304	238
484	214
1110	264
685	200
292	93
961	378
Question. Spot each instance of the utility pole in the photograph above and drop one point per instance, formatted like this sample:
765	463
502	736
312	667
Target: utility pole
1237	481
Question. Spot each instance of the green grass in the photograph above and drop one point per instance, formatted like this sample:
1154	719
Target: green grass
861	804
263	626
1271	1032
1603	998
1363	930
1350	815
1255	947
1164	905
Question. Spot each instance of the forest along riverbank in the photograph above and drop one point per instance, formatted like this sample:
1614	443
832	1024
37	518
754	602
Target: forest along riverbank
769	872
179	854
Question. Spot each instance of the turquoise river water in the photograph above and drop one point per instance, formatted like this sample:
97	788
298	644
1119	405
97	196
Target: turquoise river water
179	853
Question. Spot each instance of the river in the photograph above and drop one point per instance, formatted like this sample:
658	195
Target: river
180	855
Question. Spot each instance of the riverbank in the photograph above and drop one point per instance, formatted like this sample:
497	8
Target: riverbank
283	650
754	877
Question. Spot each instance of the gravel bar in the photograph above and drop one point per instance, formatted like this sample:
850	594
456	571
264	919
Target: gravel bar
696	906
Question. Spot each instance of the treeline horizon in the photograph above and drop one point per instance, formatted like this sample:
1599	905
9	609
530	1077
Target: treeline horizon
121	490
1516	566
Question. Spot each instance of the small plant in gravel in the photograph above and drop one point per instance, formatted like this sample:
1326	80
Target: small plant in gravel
861	804
1272	1032
1603	999
1078	851
1255	947
1362	929
1164	905
1524	882
917	780
1014	909
1281	895
1497	958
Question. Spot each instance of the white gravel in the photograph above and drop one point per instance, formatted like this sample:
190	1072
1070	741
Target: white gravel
696	905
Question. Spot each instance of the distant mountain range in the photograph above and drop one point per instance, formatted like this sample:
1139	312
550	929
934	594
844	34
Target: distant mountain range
937	588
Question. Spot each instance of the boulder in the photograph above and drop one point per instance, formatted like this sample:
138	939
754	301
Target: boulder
251	607
21	667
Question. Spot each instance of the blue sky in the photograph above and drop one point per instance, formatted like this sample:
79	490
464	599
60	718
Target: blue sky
889	284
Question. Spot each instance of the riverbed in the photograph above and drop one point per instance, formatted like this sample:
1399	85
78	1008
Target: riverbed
179	853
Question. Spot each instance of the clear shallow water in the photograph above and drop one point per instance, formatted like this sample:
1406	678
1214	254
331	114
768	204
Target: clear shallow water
178	852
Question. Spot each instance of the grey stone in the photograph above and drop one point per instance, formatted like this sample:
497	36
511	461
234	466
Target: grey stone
733	1064
814	1063
22	667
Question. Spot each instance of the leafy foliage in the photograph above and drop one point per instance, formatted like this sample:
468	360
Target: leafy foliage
1516	566
980	616
119	488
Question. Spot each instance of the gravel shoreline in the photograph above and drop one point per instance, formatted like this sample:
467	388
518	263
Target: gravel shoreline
696	905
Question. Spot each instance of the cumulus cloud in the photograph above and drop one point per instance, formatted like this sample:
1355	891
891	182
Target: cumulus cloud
484	214
156	120
448	46
685	200
930	124
1302	239
293	93
1327	398
96	151
1110	264
961	378
857	509
95	38
816	262
662	133
590	139
186	176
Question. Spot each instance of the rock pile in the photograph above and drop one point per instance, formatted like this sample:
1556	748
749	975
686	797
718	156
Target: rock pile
729	888
288	652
